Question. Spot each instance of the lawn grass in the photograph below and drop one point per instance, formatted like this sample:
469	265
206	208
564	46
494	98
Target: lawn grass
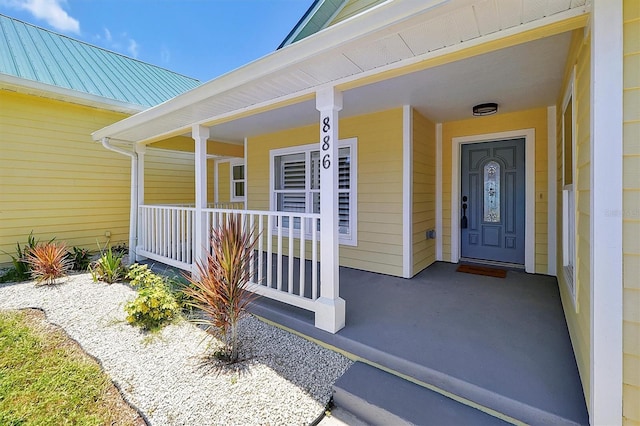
46	378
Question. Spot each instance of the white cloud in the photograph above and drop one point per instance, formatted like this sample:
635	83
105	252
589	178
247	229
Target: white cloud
107	34
165	55
50	11
133	48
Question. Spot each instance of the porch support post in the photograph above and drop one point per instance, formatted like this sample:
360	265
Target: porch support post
200	134
330	308
140	150
606	213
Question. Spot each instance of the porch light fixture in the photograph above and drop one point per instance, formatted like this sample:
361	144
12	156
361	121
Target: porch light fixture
485	109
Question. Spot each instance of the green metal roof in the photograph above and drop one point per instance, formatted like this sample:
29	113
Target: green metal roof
313	20
39	55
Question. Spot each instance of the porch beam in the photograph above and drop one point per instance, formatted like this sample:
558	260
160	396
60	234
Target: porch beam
606	213
200	134
330	308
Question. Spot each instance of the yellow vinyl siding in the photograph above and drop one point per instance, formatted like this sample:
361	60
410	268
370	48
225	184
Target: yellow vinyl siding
535	118
631	214
578	321
352	8
54	179
57	182
183	148
224	182
424	191
169	177
379	184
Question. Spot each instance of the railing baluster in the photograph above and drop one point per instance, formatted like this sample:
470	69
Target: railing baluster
252	266
290	270
314	259
303	247
269	250
174	234
260	248
279	265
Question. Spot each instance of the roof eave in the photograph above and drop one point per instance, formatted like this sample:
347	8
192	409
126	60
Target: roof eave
36	88
375	19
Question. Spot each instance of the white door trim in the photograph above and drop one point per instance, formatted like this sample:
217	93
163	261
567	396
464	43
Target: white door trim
529	136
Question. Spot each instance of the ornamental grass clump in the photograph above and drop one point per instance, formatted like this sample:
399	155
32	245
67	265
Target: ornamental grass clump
108	268
219	287
48	262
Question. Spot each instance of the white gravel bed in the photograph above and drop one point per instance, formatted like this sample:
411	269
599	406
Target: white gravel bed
167	375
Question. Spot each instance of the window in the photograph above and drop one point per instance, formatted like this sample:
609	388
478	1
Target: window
568	193
296	184
237	180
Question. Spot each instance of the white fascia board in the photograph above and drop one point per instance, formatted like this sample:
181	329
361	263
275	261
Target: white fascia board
358	27
376	19
36	88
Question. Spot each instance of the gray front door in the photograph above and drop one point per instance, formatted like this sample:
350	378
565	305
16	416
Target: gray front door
492	202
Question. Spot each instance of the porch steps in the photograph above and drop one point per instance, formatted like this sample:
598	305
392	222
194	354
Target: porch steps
380	398
432	381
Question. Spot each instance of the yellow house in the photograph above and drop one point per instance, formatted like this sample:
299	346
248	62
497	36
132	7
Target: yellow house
499	132
52	181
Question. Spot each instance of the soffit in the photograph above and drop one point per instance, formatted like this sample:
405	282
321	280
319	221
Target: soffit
292	72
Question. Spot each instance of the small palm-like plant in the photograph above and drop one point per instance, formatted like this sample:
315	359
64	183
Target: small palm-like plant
48	262
108	267
220	286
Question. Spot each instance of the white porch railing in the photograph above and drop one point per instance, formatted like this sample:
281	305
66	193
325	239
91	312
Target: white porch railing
286	265
166	234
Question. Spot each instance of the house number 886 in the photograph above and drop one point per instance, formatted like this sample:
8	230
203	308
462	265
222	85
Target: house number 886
326	143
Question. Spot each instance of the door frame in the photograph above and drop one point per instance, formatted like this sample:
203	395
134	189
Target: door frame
529	136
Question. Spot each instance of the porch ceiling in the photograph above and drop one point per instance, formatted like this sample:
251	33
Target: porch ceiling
391	36
517	78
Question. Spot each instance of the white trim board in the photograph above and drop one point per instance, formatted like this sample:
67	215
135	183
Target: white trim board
530	174
439	225
552	193
407	191
606	213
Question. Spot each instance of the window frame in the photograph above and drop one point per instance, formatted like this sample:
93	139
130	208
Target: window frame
350	239
232	190
569	213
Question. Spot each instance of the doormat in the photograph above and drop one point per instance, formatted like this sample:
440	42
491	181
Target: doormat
482	270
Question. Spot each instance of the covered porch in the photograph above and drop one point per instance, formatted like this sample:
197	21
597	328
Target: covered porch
371	117
499	344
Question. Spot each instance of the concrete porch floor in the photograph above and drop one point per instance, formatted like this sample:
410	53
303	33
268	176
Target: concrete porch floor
501	344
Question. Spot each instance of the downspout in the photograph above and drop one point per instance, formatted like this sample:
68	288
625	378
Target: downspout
133	215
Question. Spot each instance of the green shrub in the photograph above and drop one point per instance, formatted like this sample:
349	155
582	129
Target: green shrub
108	268
155	305
80	258
48	262
120	249
21	268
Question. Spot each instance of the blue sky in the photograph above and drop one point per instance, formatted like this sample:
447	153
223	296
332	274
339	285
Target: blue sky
199	38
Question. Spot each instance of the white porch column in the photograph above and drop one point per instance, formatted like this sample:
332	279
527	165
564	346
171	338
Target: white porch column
330	310
606	213
140	151
200	134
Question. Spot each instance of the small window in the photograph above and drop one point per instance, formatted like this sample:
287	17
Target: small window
237	181
568	191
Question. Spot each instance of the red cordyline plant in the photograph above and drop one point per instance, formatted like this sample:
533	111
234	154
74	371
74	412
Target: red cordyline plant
48	262
219	288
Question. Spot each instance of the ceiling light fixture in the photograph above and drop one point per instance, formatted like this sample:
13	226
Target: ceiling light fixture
485	109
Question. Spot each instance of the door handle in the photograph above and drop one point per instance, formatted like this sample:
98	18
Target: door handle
464	221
